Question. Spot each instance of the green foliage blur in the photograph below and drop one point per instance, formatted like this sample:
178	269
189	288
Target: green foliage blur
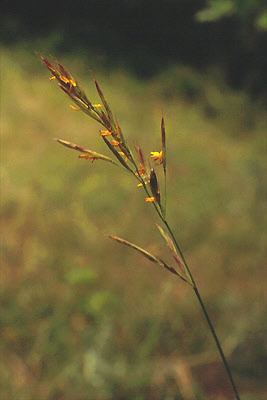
84	318
147	37
245	11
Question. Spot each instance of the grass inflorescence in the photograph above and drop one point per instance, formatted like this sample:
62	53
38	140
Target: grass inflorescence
142	169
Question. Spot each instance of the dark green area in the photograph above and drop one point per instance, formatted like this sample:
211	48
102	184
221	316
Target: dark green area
147	36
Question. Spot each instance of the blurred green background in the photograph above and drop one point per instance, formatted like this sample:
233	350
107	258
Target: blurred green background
81	316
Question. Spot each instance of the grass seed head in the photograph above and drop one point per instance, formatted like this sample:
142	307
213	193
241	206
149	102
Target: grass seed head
90	154
154	186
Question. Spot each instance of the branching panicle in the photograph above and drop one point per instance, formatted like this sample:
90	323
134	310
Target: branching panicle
135	163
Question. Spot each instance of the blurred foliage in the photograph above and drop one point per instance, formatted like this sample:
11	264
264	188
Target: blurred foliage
146	37
83	318
245	11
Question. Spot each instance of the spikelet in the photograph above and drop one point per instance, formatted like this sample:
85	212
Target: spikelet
90	155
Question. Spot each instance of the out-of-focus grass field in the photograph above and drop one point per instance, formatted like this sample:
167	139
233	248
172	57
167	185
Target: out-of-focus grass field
85	318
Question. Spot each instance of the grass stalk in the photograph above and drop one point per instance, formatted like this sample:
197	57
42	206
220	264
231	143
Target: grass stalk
205	312
142	171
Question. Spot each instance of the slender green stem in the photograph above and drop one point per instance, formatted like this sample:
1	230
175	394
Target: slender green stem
165	194
217	343
190	276
215	337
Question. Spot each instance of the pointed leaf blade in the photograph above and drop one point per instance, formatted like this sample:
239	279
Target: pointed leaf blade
149	256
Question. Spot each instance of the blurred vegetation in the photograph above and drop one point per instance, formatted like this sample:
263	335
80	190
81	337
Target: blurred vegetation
146	37
245	11
83	318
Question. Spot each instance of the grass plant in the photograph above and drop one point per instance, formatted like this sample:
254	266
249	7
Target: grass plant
84	318
144	171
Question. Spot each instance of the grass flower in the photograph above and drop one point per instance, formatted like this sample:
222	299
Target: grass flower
90	155
157	156
135	163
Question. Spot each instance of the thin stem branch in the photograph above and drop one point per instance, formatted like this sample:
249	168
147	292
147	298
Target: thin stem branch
217	343
211	327
215	337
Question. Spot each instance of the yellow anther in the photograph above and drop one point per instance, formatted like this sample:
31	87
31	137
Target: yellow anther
122	154
74	108
157	156
105	133
86	157
114	143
